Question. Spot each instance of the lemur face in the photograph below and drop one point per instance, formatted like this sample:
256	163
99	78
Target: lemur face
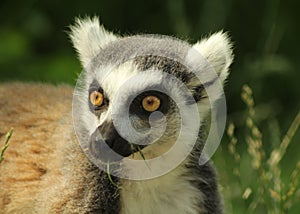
142	96
130	96
139	95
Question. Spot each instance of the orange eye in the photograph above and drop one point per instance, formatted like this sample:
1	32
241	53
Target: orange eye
96	98
151	103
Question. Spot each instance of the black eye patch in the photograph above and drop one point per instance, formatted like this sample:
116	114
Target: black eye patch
137	108
95	86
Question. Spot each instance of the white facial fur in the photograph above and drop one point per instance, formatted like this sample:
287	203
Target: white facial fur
89	38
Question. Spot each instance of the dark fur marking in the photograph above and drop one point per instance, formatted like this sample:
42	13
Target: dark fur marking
204	177
174	68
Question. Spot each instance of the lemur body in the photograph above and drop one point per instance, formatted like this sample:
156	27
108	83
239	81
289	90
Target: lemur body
46	171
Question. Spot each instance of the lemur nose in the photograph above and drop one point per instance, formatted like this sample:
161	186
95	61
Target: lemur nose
107	144
101	150
114	140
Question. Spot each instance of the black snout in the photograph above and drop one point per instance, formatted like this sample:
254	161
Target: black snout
106	144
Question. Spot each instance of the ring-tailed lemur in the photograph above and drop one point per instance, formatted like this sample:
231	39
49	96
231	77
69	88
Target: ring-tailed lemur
45	170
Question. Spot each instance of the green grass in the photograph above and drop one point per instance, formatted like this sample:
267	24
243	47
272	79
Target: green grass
6	143
256	181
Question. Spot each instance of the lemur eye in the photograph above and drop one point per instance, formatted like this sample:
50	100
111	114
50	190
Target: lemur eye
96	98
151	103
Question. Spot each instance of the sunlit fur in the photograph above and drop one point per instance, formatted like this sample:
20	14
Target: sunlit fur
46	171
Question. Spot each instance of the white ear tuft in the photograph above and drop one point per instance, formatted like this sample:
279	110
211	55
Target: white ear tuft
217	49
88	37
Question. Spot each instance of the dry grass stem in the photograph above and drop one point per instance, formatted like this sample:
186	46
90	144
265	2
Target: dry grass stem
270	191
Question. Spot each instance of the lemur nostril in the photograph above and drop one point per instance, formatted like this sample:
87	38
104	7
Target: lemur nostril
109	142
120	146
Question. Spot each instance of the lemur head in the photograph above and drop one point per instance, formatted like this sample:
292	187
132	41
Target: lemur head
130	96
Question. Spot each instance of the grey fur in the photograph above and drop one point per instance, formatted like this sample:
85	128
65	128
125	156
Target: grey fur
164	54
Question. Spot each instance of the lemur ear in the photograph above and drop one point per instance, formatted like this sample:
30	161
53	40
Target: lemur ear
217	50
89	37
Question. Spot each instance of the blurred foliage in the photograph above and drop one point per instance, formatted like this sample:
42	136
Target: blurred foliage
254	179
34	46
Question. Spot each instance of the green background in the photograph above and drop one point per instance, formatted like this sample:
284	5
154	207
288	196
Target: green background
34	46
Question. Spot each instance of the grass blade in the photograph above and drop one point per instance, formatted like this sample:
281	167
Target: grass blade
6	143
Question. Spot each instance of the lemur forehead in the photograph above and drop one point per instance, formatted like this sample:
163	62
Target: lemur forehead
120	60
127	48
128	78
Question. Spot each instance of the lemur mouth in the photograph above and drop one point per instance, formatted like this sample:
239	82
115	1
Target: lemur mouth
107	145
